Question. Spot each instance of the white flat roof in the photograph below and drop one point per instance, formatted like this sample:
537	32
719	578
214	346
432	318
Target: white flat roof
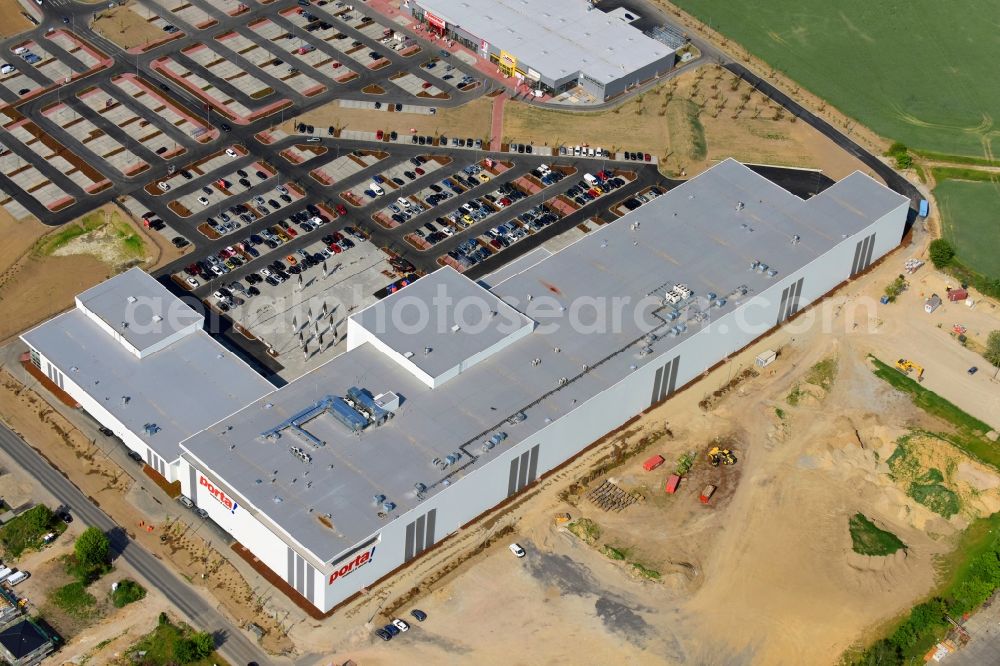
556	38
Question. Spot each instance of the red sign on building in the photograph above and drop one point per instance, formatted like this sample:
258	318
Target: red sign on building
435	21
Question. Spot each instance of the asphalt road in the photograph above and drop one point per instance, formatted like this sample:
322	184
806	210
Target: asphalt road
234	646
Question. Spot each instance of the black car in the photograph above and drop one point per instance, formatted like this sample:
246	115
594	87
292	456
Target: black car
105	431
187	174
261	175
226	127
62	513
418	614
383	634
135	456
179	242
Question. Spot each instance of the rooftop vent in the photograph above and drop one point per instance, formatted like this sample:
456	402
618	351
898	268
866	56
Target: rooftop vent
131	299
408	354
420	488
456	328
157	318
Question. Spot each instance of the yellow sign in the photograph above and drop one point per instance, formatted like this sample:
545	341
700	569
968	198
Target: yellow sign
508	61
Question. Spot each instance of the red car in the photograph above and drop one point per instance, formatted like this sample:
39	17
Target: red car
418	171
333	247
336	65
379	134
647	157
291	232
426	85
341	209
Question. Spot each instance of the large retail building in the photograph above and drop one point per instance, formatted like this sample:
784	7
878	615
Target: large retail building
552	46
455	395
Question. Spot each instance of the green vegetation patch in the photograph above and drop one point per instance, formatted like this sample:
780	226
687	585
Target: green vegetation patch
612	553
61	238
970	432
935	497
171	644
686	128
128	591
869	539
969	214
25	532
75	600
129	241
795	396
645	572
586	529
972	574
823	373
858	55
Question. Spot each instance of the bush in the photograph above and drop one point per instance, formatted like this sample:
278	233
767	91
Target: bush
941	252
26	531
198	646
895	288
127	592
992	353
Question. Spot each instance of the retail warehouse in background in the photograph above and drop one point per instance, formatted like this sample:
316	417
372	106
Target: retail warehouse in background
342	476
552	46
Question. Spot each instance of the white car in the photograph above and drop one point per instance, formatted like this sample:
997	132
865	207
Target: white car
516	549
203	201
191	281
281	189
400	624
265	272
231	152
163	185
405	203
374	187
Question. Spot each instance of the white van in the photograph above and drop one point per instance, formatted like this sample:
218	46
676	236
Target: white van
591	180
5	573
6	69
19	577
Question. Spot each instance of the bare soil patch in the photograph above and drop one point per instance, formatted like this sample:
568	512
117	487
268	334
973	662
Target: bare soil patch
13	19
126	28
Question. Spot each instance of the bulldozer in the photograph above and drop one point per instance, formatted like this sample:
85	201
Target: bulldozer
906	367
718	456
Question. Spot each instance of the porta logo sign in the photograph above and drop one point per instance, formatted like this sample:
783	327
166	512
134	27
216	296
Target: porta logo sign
219	496
355	564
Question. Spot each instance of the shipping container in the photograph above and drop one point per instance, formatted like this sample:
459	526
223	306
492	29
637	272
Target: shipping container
706	494
958	295
672	484
652	463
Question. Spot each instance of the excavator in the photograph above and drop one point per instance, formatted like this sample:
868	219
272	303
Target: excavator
906	367
718	456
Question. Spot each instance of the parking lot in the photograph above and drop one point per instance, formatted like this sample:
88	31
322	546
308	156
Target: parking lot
185	136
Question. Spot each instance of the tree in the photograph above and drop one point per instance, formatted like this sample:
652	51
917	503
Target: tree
198	646
941	253
895	288
992	352
92	548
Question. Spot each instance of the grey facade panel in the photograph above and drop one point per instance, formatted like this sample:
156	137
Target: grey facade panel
512	479
300	575
657	381
290	576
418	535
672	385
193	478
871	247
408	550
857	256
310	583
429	529
533	464
784	302
522	472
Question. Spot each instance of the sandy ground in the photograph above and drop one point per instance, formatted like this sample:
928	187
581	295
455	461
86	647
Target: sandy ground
656	122
126	28
12	18
472	119
33	287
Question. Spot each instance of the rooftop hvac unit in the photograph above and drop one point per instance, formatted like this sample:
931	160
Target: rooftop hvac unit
516	418
718	303
388	507
671	316
711	295
364	402
672	298
754	265
420	488
488	445
440	464
771	273
388	401
683	290
497	438
761	267
378	499
453	458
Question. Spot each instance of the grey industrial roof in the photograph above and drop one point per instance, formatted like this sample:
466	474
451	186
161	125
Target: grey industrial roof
182	389
110	301
461	322
556	38
694	234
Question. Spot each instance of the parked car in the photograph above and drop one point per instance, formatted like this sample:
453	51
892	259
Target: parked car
516	549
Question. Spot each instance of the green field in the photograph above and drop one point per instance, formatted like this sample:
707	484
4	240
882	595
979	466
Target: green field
918	71
970	212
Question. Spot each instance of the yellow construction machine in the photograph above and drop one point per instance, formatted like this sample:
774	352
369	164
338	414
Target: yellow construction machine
718	456
906	367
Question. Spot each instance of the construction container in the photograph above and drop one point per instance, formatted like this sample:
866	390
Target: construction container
957	294
652	463
706	494
766	358
672	484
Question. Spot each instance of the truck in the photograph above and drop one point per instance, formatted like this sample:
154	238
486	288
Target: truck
925	208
